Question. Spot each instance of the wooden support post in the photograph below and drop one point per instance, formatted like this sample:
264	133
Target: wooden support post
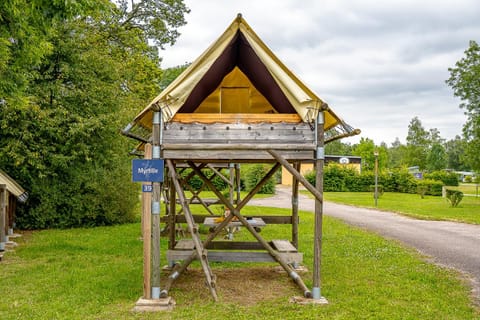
156	198
317	244
3	215
12	208
172	212
237	179
232	182
147	233
295	207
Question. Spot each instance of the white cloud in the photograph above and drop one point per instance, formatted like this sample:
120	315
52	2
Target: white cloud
377	63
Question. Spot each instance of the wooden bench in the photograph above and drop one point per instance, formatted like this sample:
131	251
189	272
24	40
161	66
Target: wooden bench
238	251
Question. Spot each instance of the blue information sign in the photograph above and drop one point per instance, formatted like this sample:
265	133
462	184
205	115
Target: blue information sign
147	170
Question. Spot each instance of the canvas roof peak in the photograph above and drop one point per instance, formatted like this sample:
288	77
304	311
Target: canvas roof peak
239	47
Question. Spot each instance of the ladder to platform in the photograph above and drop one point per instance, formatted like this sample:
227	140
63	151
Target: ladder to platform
193	229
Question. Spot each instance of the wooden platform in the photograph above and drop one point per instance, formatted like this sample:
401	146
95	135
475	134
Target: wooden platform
244	251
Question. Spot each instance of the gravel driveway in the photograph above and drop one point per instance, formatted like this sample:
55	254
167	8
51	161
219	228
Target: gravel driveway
451	244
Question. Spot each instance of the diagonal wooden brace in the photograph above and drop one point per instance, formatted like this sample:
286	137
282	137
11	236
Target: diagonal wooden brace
298	280
178	271
200	251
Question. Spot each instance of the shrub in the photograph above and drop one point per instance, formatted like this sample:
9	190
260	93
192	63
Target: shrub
311	177
430	187
333	178
400	181
379	190
84	198
454	197
422	189
339	178
196	182
448	178
365	180
255	174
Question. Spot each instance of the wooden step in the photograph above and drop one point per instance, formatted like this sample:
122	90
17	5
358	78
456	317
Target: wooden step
185	244
283	246
237	256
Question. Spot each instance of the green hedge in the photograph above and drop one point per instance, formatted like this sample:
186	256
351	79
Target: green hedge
448	178
339	178
429	187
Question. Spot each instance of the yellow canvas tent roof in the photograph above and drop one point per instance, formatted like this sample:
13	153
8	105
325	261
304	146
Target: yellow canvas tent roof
239	54
13	187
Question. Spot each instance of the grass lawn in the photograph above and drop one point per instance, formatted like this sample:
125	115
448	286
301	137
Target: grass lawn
468	189
431	208
97	274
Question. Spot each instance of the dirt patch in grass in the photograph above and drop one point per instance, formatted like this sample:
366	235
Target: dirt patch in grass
242	286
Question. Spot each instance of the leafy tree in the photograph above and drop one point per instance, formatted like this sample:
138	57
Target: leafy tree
396	154
437	158
455	153
338	148
153	20
434	137
417	144
366	150
465	82
61	141
171	74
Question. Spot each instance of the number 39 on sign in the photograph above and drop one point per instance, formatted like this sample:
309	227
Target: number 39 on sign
147	188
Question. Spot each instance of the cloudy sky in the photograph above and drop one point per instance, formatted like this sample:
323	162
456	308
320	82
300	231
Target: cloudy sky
376	63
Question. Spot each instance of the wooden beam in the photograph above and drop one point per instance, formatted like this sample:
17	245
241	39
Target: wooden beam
296	166
156	205
237	146
245	156
268	219
296	174
199	249
172	212
317	237
239	256
236	117
219	174
147	234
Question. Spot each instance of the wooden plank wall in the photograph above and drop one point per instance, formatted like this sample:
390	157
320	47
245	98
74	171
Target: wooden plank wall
294	141
275	133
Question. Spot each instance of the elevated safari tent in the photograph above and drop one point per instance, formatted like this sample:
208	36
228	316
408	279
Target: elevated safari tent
10	193
236	103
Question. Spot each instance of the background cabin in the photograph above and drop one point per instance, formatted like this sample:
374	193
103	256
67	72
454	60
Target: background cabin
10	193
